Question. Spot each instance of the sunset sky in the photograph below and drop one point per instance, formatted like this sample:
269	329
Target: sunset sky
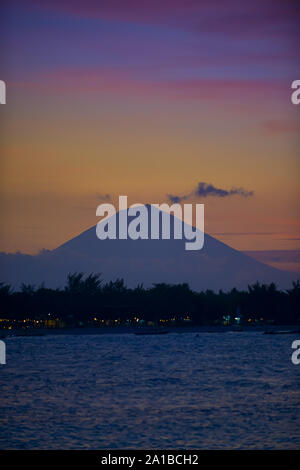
147	99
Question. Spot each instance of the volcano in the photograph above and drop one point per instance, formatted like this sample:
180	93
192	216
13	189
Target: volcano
216	266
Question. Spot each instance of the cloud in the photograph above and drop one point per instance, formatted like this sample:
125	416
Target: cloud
177	199
259	18
281	126
118	80
292	239
243	233
282	259
104	197
206	189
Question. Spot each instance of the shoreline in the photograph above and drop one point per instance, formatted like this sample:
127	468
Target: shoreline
117	330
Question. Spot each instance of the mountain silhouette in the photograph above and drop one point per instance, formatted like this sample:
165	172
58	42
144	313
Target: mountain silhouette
216	266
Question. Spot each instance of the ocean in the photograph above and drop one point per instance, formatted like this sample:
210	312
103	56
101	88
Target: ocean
211	390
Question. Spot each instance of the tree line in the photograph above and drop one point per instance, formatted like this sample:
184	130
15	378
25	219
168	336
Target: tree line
87	297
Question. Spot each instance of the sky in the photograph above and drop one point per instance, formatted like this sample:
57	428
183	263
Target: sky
150	99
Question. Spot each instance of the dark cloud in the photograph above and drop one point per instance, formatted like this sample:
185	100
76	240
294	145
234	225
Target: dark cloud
243	233
206	189
177	199
292	239
104	197
257	19
282	259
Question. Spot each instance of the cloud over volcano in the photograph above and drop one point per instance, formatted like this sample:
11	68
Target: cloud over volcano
206	189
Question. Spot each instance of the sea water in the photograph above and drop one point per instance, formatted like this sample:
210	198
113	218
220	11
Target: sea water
232	390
